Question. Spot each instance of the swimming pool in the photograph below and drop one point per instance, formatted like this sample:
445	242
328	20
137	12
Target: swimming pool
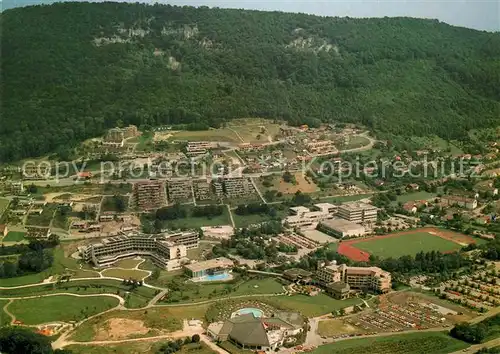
216	277
247	310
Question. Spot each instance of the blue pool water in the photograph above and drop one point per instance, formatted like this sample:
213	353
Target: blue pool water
223	276
247	310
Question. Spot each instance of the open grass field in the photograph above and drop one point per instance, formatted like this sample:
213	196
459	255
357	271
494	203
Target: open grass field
312	306
59	308
420	195
195	222
141	295
411	343
125	273
329	328
42	219
4	203
223	135
127	263
404	243
137	348
4	318
357	141
14	236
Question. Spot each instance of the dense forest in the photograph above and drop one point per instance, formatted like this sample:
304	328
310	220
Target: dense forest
72	70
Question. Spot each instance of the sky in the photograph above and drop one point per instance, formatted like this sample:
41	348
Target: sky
477	14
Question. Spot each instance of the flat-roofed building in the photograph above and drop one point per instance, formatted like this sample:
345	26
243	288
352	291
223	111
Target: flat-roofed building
340	228
359	278
298	210
338	290
306	219
214	266
462	201
179	189
328	207
150	195
358	212
161	248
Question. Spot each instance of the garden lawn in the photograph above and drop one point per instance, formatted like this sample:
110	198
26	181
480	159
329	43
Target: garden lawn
127	263
14	236
407	244
125	273
312	306
4	203
231	348
59	308
412	343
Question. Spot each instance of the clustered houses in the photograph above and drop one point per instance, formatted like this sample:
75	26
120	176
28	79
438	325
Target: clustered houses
36	171
37	233
321	147
196	148
149	195
358	212
16	188
166	250
339	279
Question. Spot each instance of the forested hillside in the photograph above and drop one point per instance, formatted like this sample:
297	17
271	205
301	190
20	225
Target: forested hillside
71	70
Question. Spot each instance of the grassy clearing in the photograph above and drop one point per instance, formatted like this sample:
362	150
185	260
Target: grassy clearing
197	253
421	195
312	306
137	348
125	273
330	328
357	141
226	135
4	318
413	343
195	292
59	308
14	236
165	319
4	204
346	198
407	244
127	263
192	222
142	295
42	219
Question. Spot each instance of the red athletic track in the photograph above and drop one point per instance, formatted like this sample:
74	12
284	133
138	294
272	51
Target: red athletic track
348	248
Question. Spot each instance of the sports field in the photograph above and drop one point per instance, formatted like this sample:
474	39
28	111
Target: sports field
404	243
14	236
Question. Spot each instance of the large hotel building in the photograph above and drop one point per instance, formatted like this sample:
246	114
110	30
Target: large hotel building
162	248
361	278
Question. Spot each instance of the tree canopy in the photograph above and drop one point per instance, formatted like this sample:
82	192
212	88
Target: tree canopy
78	69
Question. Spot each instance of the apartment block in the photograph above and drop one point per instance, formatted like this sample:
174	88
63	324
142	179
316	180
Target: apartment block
196	148
464	202
149	195
36	171
358	278
233	187
117	135
202	190
302	216
321	147
163	249
179	189
358	212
